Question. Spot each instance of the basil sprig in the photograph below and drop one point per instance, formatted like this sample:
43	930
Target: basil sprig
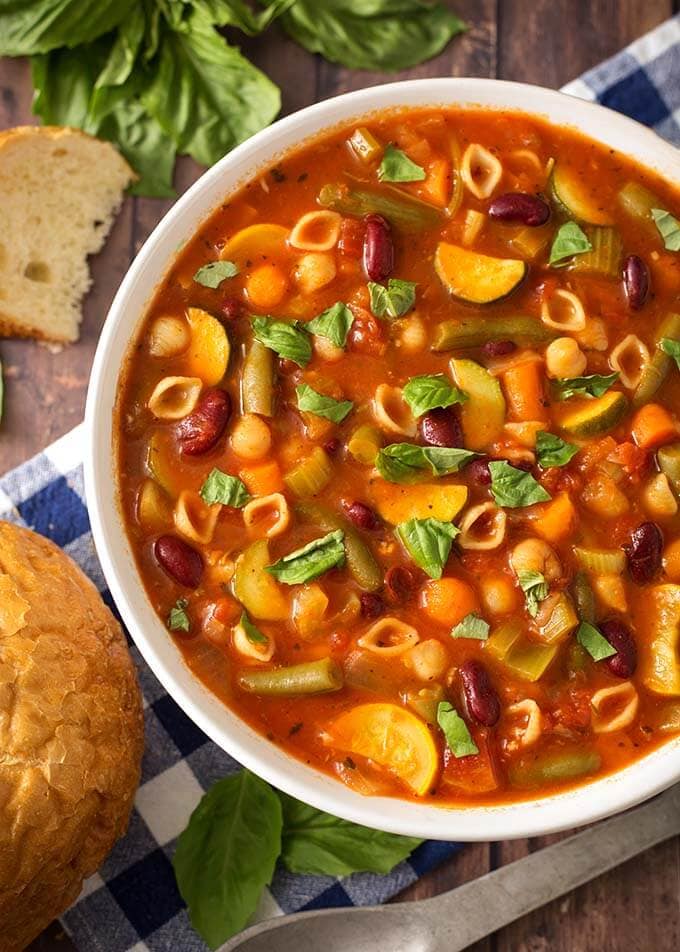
570	240
668	227
288	340
512	487
397	167
595	385
394	300
472	626
333	323
223	488
595	643
428	542
553	451
458	738
178	619
535	589
430	391
671	347
405	462
213	274
311	401
311	561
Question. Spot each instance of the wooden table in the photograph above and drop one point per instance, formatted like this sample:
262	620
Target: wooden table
537	41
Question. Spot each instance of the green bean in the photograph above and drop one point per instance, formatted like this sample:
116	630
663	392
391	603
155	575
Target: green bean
311	677
398	207
655	372
476	331
584	598
257	381
553	767
360	561
668	458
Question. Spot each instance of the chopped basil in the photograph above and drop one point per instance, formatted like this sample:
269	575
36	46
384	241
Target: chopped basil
513	487
213	274
668	227
310	401
397	167
570	240
394	300
535	589
553	451
178	620
428	542
286	340
333	323
404	462
252	632
593	386
456	732
430	391
472	626
595	643
311	561
671	347
225	489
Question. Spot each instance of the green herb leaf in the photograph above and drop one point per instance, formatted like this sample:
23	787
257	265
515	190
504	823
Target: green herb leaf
394	300
178	620
553	451
225	489
237	13
430	391
397	167
472	626
570	240
513	487
213	274
382	35
456	732
318	844
428	542
37	26
404	462
593	386
671	347
286	340
535	589
590	638
252	632
310	401
311	561
333	323
668	227
227	854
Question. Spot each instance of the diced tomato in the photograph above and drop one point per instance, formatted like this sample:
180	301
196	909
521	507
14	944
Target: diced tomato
633	459
367	334
351	241
474	774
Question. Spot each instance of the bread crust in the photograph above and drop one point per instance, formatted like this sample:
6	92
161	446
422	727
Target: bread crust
71	733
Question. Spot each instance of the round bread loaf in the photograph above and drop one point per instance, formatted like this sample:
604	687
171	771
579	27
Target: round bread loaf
71	733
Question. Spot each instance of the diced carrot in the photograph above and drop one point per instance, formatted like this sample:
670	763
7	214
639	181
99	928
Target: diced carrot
448	600
523	385
554	520
266	285
653	425
263	478
436	188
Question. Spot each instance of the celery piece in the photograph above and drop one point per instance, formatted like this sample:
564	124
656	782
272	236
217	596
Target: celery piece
655	372
553	767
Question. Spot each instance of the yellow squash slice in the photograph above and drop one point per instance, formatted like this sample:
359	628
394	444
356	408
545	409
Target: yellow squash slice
258	592
475	278
252	245
661	644
161	463
483	413
208	353
593	417
574	199
398	503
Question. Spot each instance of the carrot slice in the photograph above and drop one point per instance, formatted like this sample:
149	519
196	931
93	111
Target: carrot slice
523	386
653	425
263	479
448	600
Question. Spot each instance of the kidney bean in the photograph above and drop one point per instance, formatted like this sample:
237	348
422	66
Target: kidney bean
372	605
332	446
635	281
231	308
480	695
179	560
400	582
644	552
378	248
441	427
362	515
200	431
478	471
521	208
498	348
619	636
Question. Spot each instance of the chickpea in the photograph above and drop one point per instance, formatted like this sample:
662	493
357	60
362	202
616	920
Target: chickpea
658	498
412	335
314	270
251	438
535	555
499	595
564	358
671	561
327	350
428	659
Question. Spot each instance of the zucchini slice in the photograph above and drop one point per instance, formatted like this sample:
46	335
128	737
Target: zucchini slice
483	413
475	278
594	417
574	199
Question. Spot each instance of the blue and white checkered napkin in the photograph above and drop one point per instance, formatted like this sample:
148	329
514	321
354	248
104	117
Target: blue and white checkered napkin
132	903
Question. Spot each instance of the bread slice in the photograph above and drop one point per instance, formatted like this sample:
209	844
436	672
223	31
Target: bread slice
59	192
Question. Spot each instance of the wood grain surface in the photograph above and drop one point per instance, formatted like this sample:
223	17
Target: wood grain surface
549	42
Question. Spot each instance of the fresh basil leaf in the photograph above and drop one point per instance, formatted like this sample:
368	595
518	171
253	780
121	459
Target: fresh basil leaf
513	487
394	300
178	620
570	240
590	638
428	542
252	632
227	854
237	13
225	489
318	844
333	323
456	732
28	27
593	386
430	391
668	227
286	340
383	35
123	53
213	274
311	561
397	167
472	626
553	451
310	401
535	589
404	462
671	347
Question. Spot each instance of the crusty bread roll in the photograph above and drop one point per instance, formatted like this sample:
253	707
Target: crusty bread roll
71	733
59	192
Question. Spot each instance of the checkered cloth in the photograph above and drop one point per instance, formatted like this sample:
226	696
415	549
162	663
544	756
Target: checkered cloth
132	903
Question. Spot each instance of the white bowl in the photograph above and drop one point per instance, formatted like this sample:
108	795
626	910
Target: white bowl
531	818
